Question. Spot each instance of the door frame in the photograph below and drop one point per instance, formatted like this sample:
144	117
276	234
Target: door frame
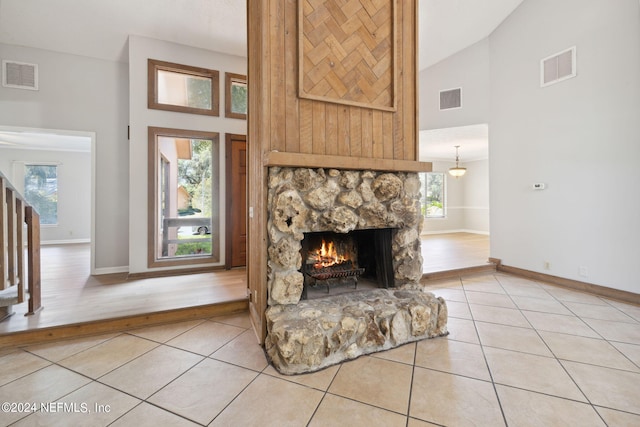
91	137
229	139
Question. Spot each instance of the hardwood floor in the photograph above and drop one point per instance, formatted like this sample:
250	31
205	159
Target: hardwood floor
452	251
70	295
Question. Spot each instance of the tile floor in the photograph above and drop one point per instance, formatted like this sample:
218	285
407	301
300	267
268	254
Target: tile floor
519	353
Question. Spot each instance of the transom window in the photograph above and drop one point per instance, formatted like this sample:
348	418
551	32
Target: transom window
235	96
182	88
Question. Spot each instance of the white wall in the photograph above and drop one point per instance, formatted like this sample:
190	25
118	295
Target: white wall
581	137
74	190
140	49
476	196
469	70
82	94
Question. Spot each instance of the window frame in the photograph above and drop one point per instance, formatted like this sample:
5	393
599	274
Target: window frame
154	194
229	79
154	65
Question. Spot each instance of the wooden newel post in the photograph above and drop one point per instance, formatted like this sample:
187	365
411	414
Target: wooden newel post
33	260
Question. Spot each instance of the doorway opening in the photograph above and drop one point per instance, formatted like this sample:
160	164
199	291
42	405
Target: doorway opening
455	232
72	154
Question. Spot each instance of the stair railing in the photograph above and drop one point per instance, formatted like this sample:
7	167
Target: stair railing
16	284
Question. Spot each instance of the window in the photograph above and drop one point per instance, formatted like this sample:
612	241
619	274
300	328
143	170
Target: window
181	88
235	96
433	195
41	191
184	215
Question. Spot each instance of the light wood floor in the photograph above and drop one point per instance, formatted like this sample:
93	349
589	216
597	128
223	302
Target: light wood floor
452	251
70	295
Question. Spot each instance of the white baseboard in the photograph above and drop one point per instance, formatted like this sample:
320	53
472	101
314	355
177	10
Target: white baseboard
64	242
485	233
110	270
427	233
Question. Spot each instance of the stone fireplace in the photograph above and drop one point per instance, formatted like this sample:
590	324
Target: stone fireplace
373	218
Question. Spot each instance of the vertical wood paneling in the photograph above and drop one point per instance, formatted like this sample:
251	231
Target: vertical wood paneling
398	143
319	127
258	125
292	109
387	135
409	69
377	136
355	126
343	131
367	133
306	126
277	64
331	136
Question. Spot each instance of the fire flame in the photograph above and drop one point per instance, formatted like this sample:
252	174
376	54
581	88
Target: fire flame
327	255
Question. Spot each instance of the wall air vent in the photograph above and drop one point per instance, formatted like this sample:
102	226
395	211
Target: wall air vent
450	99
19	75
558	67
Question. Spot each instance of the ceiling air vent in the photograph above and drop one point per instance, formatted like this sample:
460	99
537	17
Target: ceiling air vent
19	75
558	67
450	99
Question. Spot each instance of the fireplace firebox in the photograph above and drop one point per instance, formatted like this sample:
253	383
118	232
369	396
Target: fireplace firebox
335	263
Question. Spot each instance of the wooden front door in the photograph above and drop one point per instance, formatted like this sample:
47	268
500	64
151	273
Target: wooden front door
236	237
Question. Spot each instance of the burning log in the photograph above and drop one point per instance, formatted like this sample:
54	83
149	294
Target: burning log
332	263
342	273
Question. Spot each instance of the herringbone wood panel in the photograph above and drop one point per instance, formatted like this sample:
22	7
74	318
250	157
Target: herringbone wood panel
347	51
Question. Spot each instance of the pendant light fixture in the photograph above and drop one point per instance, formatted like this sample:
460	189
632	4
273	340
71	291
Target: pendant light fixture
457	171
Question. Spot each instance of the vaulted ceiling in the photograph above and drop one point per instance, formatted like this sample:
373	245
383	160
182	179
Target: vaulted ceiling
100	29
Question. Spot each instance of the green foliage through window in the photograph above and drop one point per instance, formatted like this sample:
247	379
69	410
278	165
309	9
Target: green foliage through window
433	194
199	92
194	175
41	191
239	97
194	248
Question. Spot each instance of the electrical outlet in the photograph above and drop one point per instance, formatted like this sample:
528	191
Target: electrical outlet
547	265
583	271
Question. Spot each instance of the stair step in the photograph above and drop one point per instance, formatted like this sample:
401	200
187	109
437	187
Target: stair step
9	296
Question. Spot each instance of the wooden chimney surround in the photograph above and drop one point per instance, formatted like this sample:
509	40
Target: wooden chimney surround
332	84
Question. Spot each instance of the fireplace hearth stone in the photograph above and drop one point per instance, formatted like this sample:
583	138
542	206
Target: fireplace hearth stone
314	334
